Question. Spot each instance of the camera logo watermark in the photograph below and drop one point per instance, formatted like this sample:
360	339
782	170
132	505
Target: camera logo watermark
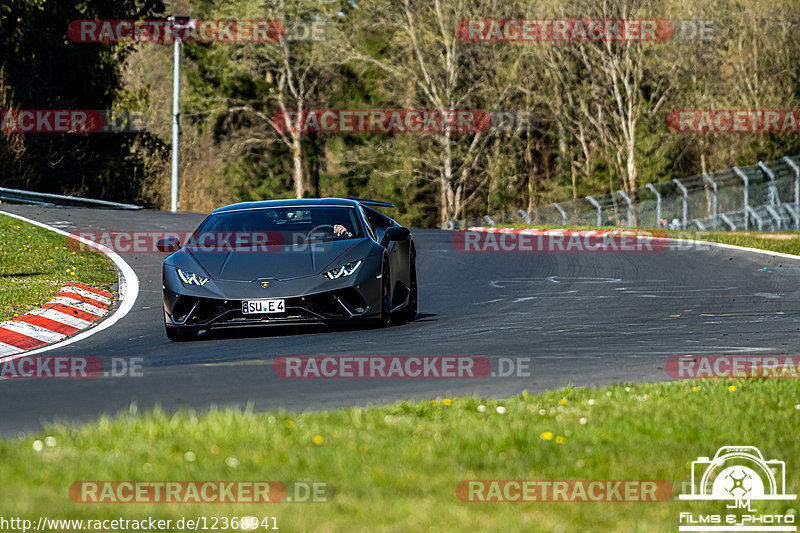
740	475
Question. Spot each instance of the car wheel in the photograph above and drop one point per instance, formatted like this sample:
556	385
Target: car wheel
386	297
180	334
410	312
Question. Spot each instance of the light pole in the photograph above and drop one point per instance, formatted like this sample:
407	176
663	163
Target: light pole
178	23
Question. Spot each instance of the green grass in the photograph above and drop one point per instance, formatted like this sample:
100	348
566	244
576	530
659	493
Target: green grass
34	264
396	467
787	242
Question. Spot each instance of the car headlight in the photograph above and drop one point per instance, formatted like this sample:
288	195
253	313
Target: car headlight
190	278
343	271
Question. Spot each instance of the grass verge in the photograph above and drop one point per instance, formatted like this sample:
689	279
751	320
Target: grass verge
35	263
396	467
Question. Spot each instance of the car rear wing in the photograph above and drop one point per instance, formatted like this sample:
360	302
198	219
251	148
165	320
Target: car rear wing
376	203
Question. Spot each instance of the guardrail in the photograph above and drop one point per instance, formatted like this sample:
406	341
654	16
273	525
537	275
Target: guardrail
40	198
765	196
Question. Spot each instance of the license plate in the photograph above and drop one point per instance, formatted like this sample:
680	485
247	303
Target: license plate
252	307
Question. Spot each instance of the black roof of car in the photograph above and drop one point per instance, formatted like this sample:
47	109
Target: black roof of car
310	202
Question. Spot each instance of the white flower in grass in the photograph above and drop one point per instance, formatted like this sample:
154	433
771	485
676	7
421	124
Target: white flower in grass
50	442
189	457
38	446
590	401
501	410
582	421
481	408
232	462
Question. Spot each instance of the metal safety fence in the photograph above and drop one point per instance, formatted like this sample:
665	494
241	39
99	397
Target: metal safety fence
764	197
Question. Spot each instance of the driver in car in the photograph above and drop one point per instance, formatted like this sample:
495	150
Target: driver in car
341	231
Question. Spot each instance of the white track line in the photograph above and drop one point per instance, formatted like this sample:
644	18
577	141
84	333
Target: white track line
689	241
128	291
744	248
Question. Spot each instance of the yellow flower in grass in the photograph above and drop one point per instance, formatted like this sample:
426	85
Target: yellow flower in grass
317	440
289	424
547	435
561	440
434	402
732	388
447	401
562	401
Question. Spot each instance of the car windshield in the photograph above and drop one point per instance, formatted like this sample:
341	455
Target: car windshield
282	225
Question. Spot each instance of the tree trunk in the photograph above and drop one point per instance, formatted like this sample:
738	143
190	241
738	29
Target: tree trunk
297	157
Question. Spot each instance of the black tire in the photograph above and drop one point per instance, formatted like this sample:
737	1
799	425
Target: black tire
410	313
180	334
385	319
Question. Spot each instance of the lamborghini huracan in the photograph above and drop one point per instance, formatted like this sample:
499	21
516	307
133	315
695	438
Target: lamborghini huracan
290	262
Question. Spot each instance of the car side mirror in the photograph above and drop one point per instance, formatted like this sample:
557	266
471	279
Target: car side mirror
395	233
168	245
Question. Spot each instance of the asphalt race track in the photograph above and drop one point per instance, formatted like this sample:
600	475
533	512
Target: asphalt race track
582	318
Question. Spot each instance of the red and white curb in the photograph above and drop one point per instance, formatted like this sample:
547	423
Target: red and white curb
71	316
75	307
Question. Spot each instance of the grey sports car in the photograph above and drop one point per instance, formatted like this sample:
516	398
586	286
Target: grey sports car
288	262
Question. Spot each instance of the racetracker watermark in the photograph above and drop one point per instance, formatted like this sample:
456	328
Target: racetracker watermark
168	31
555	240
70	121
401	367
70	367
211	242
192	492
733	366
734	121
147	242
405	121
569	490
383	121
586	30
382	367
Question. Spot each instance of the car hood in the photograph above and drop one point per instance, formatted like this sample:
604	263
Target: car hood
279	262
